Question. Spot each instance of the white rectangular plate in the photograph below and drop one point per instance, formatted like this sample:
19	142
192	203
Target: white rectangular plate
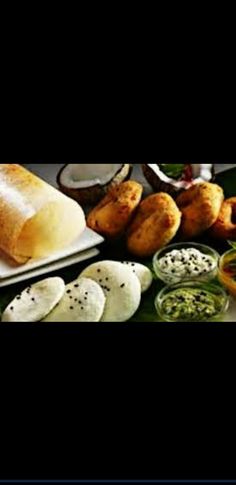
63	263
88	240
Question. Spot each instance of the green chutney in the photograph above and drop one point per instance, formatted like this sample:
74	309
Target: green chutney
191	304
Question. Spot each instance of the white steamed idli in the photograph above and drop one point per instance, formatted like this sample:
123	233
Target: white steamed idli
143	273
121	287
83	301
36	302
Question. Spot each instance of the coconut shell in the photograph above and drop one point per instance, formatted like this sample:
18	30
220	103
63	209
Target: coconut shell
159	186
92	195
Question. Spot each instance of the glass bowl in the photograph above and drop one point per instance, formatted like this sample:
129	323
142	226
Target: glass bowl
171	279
227	271
214	292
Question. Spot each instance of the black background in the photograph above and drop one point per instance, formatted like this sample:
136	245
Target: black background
140	401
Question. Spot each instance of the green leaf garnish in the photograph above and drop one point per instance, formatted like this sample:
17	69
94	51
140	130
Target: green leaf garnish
173	170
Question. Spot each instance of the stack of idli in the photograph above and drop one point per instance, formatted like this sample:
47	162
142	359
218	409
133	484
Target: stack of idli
106	291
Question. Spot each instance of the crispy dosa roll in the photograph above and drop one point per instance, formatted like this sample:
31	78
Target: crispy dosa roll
35	219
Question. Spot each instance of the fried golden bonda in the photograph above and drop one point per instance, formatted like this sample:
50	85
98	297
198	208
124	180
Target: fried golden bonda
112	215
154	226
225	226
200	207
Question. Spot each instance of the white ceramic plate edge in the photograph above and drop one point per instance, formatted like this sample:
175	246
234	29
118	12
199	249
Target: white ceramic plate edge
89	240
57	265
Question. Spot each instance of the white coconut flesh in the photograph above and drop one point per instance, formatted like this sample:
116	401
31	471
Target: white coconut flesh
201	173
85	175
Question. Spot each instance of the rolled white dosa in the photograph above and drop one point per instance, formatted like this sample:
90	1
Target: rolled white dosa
35	219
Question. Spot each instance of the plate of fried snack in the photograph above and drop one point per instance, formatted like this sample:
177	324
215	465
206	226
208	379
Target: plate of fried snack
168	254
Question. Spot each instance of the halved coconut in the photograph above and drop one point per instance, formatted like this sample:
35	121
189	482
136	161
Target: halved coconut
89	183
174	178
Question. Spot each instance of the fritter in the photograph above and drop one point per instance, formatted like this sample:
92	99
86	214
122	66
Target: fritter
112	215
200	207
154	226
225	226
